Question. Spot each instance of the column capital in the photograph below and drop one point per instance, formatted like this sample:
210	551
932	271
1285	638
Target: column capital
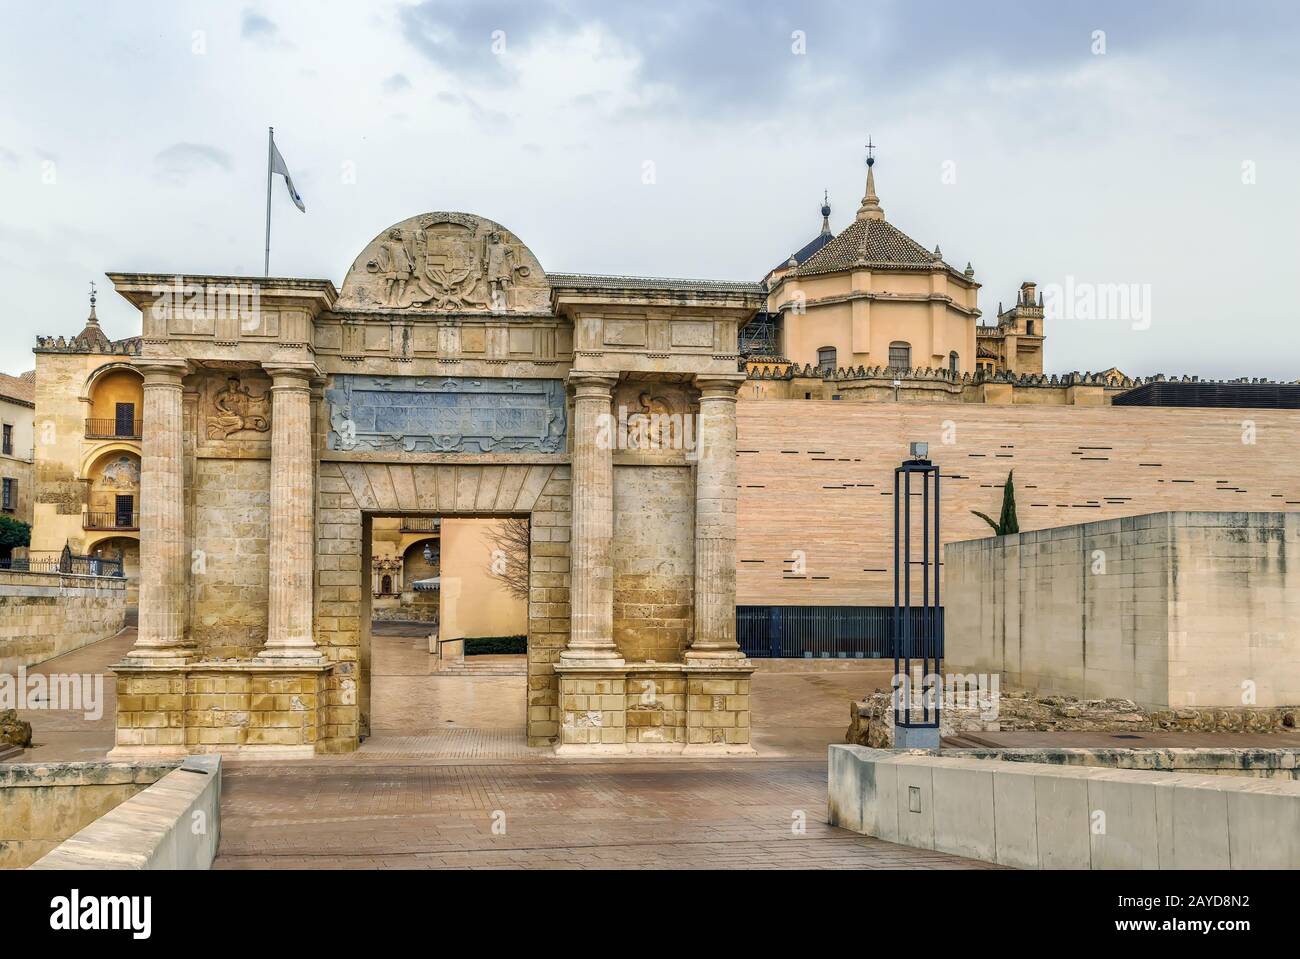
719	386
290	373
591	383
163	370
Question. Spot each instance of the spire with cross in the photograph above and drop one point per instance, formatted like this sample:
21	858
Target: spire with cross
870	209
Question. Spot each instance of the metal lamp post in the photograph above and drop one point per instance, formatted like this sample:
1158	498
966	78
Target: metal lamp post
918	627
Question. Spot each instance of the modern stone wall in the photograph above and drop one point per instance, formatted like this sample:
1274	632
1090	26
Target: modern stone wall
175	823
42	804
1167	609
1037	816
43	615
816	478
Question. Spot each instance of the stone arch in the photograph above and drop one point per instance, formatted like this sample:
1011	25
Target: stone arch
350	493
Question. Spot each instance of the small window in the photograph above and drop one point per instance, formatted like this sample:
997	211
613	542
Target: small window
1029	327
8	440
386	585
10	495
900	356
826	358
953	361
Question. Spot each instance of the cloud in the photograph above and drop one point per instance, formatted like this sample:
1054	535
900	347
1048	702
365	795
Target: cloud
396	83
179	162
253	26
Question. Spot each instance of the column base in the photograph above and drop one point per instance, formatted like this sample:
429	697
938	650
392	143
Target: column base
290	656
160	657
591	657
719	657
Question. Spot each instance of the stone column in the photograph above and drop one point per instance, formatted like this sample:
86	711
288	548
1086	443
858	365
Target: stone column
715	522
292	569
164	565
591	634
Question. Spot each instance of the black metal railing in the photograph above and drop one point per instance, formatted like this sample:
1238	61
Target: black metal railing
110	520
111	429
831	632
65	562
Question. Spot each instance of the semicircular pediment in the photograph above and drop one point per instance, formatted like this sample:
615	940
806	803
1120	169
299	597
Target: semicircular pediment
446	263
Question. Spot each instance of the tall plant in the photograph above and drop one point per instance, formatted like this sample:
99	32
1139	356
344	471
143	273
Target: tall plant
1007	522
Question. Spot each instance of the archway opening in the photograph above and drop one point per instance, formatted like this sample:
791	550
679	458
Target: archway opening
444	644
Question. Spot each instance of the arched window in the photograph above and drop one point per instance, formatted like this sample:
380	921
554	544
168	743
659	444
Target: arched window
900	355
953	361
826	358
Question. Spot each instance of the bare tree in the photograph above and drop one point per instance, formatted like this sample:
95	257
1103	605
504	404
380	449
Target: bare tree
509	562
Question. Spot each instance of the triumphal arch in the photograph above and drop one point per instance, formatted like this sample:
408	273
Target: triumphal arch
450	375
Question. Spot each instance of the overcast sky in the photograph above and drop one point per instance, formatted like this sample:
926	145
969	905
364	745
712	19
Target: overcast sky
133	137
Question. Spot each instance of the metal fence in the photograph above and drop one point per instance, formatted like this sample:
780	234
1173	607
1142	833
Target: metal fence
830	632
65	562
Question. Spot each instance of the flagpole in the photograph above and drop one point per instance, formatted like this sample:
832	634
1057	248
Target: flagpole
270	145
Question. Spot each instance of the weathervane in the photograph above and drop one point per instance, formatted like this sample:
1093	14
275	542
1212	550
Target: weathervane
871	151
92	294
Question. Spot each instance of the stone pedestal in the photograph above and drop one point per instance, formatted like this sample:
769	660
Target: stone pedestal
591	635
718	709
164	563
289	622
249	709
593	710
655	709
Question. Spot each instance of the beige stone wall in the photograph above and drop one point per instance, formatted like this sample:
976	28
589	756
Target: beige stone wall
70	388
17	465
229	573
654	561
474	602
43	804
43	615
817	478
1180	609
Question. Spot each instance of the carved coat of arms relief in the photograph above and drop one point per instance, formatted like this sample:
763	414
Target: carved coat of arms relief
446	262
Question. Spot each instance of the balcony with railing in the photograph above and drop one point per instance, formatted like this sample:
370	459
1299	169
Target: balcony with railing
110	521
112	429
421	524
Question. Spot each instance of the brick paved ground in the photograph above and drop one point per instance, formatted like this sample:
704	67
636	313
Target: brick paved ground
569	815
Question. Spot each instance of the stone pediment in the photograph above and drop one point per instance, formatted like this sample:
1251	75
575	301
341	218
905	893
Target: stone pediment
446	263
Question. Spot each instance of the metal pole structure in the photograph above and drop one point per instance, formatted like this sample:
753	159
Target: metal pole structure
270	146
910	731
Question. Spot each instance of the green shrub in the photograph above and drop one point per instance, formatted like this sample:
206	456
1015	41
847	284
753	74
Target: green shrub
496	645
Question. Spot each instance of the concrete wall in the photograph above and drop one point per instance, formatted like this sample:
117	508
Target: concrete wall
1036	816
43	615
817	477
42	804
173	824
1167	609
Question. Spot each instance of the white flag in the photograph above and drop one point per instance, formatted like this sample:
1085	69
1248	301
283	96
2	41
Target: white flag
278	166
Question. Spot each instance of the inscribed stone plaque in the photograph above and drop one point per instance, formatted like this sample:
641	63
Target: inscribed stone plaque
444	414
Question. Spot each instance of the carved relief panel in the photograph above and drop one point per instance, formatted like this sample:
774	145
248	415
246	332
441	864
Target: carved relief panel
446	262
